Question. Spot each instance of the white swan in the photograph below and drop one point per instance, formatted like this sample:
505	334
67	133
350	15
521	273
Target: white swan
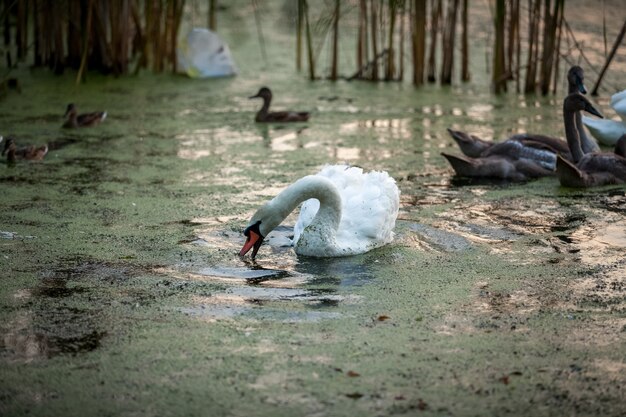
609	131
345	212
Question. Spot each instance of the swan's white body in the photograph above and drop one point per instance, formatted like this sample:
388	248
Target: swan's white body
606	131
345	211
609	131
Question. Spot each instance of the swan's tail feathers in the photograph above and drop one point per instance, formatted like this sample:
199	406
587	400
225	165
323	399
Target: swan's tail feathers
569	175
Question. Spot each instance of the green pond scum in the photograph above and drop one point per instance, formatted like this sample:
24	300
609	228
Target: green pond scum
121	292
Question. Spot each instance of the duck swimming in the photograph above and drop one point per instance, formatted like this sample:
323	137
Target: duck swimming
264	115
31	153
75	120
345	212
588	169
476	147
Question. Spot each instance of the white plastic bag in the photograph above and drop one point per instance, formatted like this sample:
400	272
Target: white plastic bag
202	53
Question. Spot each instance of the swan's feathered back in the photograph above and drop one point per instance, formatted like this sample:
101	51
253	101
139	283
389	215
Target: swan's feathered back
370	205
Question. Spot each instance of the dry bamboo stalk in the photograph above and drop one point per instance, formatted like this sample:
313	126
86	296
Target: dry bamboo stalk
448	42
401	57
498	79
419	40
83	61
465	74
362	30
309	42
434	30
374	18
618	41
533	35
389	62
335	56
557	50
299	26
212	15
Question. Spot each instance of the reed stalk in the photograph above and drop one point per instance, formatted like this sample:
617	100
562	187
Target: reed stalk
212	16
361	48
419	40
374	31
389	62
299	27
534	15
335	55
498	79
465	73
434	30
449	33
309	41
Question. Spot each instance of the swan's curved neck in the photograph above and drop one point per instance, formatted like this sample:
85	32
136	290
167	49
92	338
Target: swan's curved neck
571	134
327	219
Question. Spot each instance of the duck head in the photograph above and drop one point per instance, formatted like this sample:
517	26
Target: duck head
71	108
264	93
577	102
8	144
470	145
576	77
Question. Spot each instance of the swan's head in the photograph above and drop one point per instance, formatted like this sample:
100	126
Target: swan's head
576	77
577	102
262	223
263	93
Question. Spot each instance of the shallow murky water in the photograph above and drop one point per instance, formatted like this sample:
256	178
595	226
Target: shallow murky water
122	291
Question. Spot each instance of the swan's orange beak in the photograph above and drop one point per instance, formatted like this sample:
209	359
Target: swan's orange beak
254	239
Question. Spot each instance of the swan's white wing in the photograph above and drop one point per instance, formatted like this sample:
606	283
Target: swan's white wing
606	131
617	97
620	108
370	205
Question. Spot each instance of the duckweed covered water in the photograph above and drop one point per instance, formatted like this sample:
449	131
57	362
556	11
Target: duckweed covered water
122	292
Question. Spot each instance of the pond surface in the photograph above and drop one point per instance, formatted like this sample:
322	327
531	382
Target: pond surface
121	291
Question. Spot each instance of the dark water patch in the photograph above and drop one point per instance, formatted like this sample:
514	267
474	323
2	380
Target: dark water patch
569	222
76	344
491	232
446	241
44	331
457	181
56	288
256	275
61	143
336	272
79	268
44	118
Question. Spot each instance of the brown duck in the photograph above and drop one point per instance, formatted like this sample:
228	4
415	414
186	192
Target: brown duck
32	153
264	115
82	120
476	147
593	168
